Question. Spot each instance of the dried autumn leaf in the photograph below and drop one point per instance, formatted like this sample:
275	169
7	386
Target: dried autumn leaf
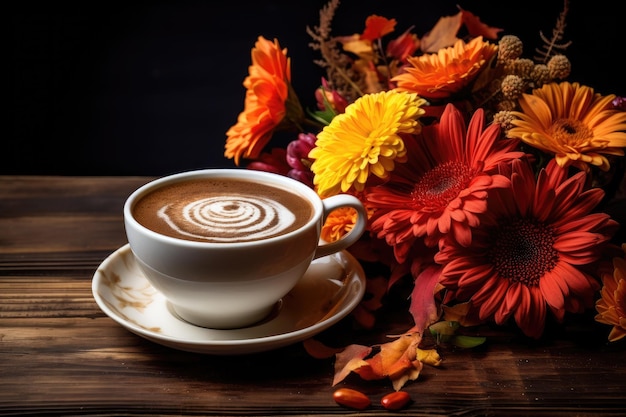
429	356
362	48
477	28
348	360
396	360
443	34
369	75
460	313
318	350
444	328
423	307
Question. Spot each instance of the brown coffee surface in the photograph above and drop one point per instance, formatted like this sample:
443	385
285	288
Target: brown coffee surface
222	210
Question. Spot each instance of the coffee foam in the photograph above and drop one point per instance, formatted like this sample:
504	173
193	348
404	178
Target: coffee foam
228	218
222	210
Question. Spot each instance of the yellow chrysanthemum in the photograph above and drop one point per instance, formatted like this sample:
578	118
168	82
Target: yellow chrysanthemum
364	140
572	122
439	75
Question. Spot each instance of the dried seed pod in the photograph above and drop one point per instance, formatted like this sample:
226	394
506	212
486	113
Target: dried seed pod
351	398
396	400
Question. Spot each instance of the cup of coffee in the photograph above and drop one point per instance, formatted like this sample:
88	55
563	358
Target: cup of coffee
225	245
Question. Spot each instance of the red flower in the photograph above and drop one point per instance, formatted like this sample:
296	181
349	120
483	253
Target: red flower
271	162
443	187
403	46
529	254
377	26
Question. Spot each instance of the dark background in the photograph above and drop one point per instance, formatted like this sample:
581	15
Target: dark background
150	88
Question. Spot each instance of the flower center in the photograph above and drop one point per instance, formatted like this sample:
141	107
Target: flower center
441	184
523	251
571	132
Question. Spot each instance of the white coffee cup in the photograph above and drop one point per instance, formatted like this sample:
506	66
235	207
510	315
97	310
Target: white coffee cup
223	283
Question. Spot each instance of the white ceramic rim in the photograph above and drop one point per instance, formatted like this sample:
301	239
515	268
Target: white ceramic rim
290	184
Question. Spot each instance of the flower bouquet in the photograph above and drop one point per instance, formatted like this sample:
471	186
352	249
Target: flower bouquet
486	175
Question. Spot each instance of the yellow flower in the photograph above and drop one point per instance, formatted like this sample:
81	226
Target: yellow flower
364	140
612	306
439	75
571	122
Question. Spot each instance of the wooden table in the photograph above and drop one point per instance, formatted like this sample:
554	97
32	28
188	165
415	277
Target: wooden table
61	355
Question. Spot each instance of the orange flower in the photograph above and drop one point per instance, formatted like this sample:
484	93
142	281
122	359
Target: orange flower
572	122
338	223
442	74
377	26
612	306
265	107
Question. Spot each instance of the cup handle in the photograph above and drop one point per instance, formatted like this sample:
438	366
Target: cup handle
333	203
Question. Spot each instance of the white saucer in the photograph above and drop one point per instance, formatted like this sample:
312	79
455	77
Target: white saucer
331	288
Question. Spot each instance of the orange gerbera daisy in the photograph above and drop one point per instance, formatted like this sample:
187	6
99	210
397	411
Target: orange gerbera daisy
442	74
269	99
338	223
530	252
443	186
611	306
573	123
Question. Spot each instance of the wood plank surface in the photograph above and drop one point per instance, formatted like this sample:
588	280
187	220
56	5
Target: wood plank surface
61	355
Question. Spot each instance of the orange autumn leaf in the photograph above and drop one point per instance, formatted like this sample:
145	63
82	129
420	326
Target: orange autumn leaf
348	360
460	313
360	47
445	31
477	28
318	350
442	35
395	360
377	26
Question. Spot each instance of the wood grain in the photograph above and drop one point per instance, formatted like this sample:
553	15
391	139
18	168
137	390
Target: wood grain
61	355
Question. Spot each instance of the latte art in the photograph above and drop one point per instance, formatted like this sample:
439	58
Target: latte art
222	210
228	218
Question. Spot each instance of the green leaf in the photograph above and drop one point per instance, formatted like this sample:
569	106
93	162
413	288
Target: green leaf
468	341
444	328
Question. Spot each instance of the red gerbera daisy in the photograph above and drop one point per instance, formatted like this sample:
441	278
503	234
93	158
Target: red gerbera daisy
443	186
531	250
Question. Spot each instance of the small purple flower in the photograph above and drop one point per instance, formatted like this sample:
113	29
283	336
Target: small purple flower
274	162
297	158
619	103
